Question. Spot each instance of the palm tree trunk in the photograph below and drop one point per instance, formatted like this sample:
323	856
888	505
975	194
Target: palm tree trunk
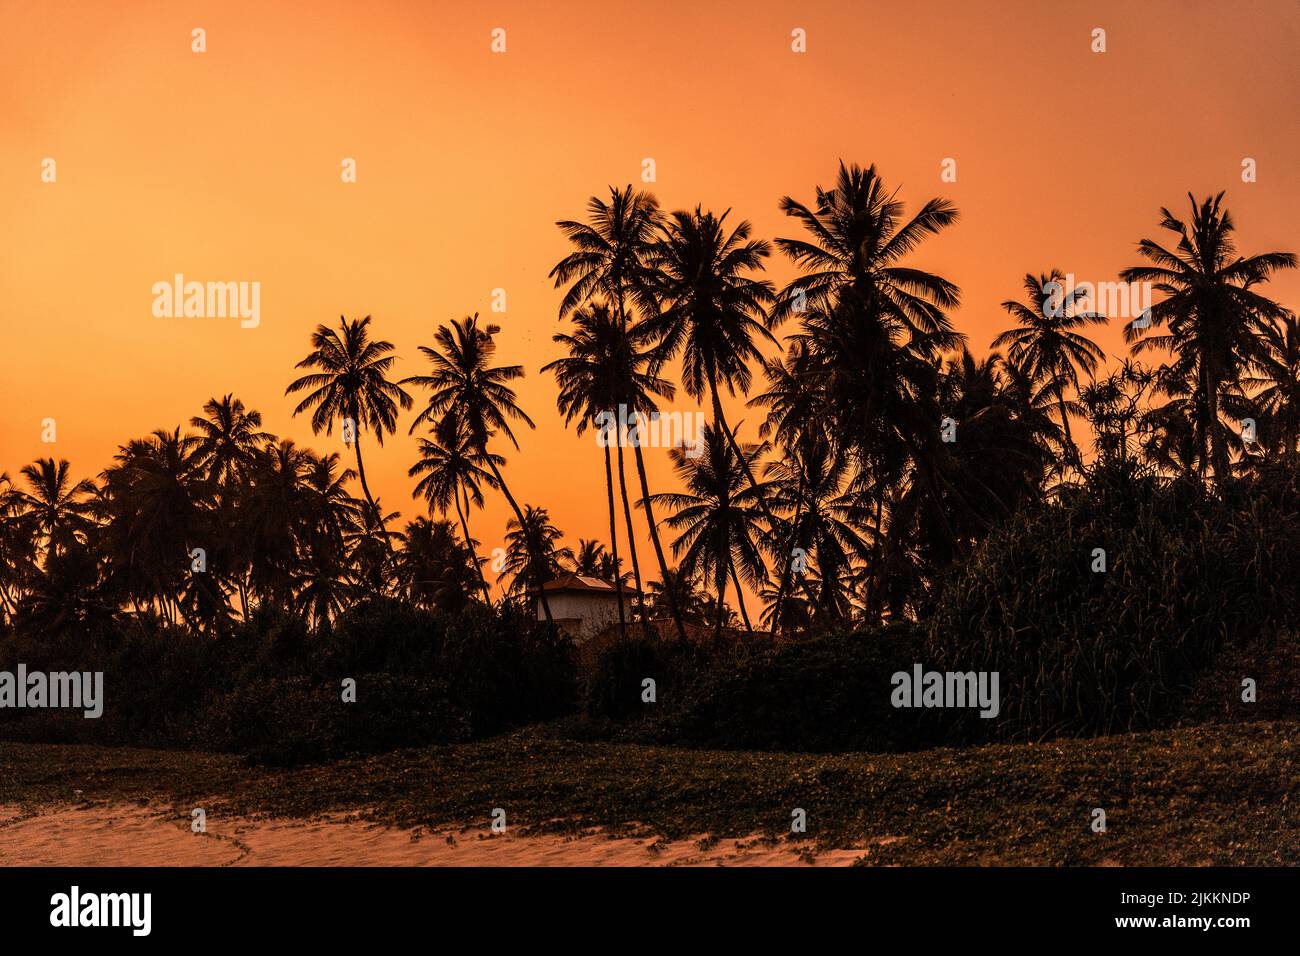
722	595
740	599
673	609
721	420
469	546
631	543
613	542
365	488
519	516
1073	450
785	565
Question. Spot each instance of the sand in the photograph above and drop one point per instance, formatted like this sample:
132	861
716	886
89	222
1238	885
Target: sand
132	835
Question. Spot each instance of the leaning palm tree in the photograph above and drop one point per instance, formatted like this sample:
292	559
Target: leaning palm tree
719	518
452	470
1212	313
463	382
351	385
1048	345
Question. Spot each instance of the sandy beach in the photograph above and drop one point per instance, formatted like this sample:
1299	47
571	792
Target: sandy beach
131	835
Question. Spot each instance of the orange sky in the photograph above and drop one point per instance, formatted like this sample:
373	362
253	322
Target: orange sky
225	166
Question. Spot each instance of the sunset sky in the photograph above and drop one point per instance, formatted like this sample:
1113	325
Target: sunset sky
225	165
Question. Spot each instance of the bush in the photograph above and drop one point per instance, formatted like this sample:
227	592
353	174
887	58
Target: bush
827	694
270	689
1084	652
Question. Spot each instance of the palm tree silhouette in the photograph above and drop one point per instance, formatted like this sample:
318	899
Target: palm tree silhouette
1276	384
228	437
533	555
54	506
351	386
719	517
1213	315
1048	345
464	383
612	260
871	331
453	471
607	373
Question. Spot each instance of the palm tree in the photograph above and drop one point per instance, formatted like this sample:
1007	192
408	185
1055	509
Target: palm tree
811	483
871	331
54	506
351	386
606	376
611	253
1047	342
1214	316
435	568
612	260
321	577
228	438
1276	384
453	470
464	382
155	503
858	239
719	517
533	553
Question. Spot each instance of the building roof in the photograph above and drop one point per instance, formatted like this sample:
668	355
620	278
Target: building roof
583	584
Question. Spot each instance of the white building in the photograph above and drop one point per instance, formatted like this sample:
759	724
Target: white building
582	606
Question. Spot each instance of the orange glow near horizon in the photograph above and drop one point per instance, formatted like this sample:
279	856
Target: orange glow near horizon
225	166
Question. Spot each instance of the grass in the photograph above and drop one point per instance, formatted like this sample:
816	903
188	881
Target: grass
1199	795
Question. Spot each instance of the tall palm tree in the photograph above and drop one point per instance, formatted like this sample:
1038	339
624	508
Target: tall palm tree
612	260
871	330
1212	313
610	372
1047	342
436	569
351	385
452	469
719	518
465	383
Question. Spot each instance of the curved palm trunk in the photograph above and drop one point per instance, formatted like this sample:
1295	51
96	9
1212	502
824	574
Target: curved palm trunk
673	609
613	542
631	544
519	516
740	599
464	527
